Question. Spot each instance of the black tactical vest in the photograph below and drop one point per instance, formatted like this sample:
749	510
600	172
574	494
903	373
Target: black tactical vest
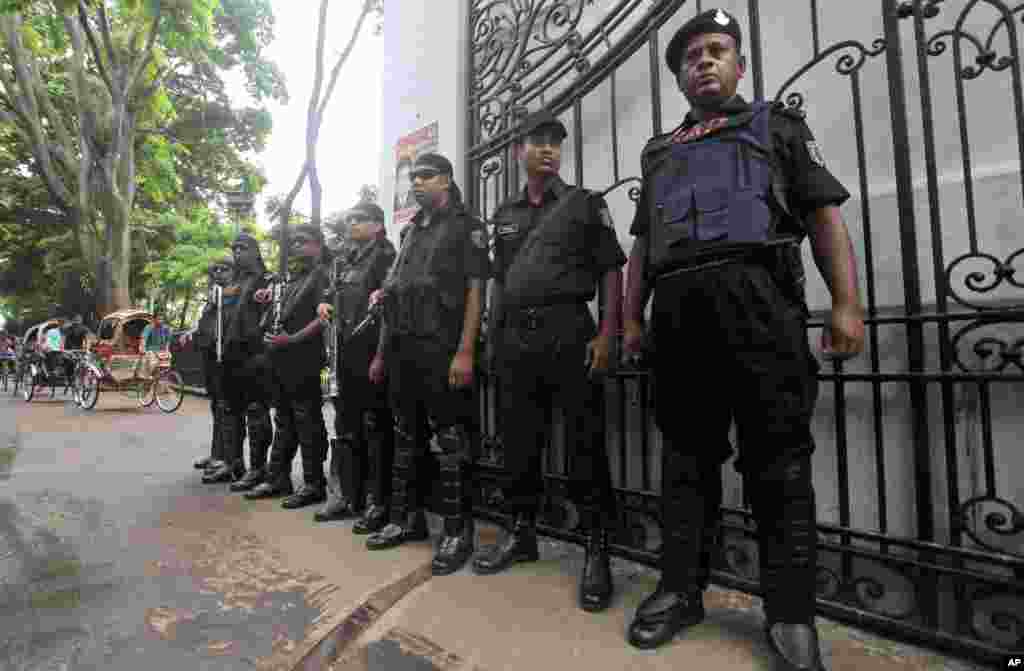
717	188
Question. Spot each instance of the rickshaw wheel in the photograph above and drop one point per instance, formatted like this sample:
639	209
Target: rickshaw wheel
28	384
88	390
16	386
169	390
146	392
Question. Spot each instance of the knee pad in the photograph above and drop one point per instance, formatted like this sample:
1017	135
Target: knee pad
257	412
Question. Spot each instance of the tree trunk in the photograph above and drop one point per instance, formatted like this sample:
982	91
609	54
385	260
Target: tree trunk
182	320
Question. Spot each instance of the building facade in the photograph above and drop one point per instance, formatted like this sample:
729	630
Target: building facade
919	109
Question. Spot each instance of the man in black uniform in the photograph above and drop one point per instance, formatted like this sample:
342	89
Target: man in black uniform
554	244
297	355
245	386
362	416
205	337
727	197
433	301
75	334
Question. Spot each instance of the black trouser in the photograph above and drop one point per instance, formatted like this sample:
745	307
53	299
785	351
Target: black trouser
213	382
299	414
364	428
247	388
541	359
425	406
731	346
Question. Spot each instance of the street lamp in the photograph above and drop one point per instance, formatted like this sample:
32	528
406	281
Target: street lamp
240	205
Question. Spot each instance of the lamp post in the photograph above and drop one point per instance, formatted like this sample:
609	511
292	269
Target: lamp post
240	205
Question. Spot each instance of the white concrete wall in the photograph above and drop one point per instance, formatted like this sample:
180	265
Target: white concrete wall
424	81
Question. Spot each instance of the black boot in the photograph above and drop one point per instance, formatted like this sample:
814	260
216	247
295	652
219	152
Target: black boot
307	495
596	585
213	466
226	473
796	646
518	546
375	518
202	463
339	505
249	481
213	461
456	545
232	429
274	486
413	528
664	614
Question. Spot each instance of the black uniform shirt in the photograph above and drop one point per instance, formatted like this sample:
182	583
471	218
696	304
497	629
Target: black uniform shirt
809	184
564	261
438	257
74	336
361	271
299	302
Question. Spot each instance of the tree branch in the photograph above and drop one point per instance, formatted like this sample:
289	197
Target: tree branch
367	8
83	19
147	52
105	31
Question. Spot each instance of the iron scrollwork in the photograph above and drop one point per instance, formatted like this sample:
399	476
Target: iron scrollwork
847	64
994	350
511	38
986	57
1000	518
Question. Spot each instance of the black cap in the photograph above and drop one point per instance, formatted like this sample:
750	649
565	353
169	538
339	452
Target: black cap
711	21
538	120
310	230
226	260
247	240
366	210
433	161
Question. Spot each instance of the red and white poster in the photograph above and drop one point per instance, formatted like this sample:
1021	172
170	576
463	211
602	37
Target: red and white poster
407	149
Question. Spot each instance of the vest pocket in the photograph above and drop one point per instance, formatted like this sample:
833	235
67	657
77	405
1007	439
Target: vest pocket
750	217
673	212
712	214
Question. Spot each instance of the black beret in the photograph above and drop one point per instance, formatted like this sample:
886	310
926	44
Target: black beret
711	21
366	210
435	162
538	120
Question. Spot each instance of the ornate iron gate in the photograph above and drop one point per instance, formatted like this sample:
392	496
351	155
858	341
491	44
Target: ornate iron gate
920	514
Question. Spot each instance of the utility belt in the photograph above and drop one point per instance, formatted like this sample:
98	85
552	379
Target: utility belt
781	258
538	317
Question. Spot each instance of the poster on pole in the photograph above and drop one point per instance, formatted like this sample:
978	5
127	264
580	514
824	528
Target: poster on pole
407	149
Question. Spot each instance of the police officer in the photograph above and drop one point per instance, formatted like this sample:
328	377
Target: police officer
297	355
204	336
553	245
362	415
726	199
432	319
245	390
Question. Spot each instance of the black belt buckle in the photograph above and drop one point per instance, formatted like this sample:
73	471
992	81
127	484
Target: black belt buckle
532	319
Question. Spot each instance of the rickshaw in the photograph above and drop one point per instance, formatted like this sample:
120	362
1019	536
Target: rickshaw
115	363
32	370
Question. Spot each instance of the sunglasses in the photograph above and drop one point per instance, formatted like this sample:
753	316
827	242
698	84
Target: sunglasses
424	173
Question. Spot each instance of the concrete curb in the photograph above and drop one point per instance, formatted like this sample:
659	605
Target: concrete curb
320	654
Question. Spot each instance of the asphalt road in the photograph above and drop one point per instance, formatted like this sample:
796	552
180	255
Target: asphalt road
113	555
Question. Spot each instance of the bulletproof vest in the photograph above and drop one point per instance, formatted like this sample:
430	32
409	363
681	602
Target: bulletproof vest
420	300
715	189
242	318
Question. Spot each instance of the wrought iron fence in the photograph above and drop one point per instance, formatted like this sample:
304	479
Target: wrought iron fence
920	521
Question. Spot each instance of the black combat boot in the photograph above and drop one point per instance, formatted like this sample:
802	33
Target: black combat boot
457	542
273	486
783	502
664	614
518	546
375	518
344	481
596	585
412	528
232	435
249	481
